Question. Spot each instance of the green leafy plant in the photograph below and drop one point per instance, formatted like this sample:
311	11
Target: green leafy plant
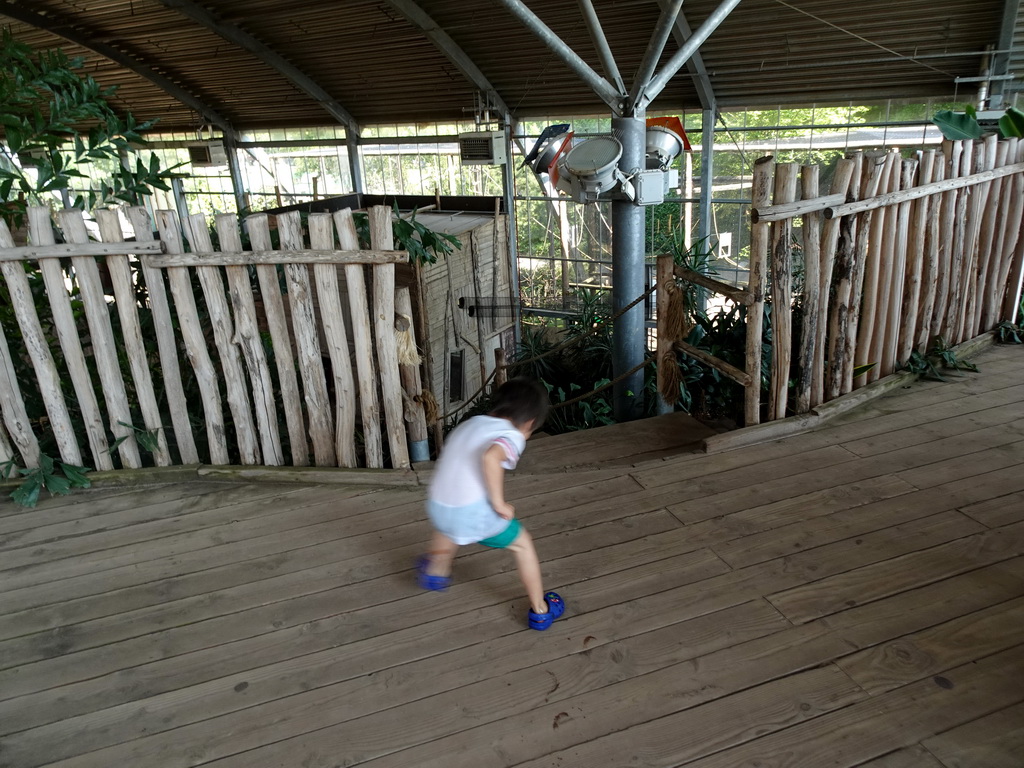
423	244
55	121
939	357
147	438
55	476
1009	333
965	125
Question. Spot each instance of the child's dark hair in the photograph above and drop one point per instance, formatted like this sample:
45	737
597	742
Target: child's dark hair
521	399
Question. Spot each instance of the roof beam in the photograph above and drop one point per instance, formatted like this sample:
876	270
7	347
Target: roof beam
611	69
695	64
666	21
268	56
441	40
79	36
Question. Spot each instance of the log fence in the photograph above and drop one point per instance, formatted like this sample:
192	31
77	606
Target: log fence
901	250
222	355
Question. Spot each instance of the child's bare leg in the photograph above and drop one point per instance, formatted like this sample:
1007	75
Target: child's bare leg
442	551
529	570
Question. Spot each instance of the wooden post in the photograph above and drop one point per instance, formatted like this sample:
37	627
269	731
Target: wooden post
841	178
500	367
362	337
224	339
131	332
954	307
12	407
930	266
811	229
6	449
984	161
782	292
889	346
167	345
759	240
248	336
665	352
989	246
195	340
101	334
41	233
43	364
1010	275
321	236
277	324
307	345
917	232
412	384
382	237
951	152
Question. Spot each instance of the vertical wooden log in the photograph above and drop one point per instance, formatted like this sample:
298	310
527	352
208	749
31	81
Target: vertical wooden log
6	449
951	154
307	344
419	305
761	186
811	230
412	384
131	331
888	273
842	279
866	350
277	325
501	365
247	336
782	292
12	407
663	297
897	295
930	268
850	289
195	342
39	355
1007	296
102	336
990	244
841	178
366	370
235	380
917	236
41	233
321	237
167	345
382	238
985	158
954	307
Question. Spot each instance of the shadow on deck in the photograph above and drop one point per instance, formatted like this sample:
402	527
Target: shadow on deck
851	596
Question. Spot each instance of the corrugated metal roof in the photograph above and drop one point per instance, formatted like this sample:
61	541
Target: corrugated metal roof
381	68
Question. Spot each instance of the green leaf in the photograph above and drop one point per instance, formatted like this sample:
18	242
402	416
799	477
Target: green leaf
1012	123
957	125
58	486
76	475
27	494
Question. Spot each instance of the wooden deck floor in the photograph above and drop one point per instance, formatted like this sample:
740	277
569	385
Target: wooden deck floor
853	596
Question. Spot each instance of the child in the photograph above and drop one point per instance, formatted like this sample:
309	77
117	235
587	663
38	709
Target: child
466	499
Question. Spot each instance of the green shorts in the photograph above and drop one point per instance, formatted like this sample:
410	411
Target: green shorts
506	537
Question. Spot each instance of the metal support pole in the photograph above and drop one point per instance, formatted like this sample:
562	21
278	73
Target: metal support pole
678	61
569	57
707	174
611	69
237	182
669	13
509	193
178	191
630	339
355	167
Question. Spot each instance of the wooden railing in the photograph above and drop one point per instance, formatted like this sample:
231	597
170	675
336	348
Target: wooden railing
290	339
899	252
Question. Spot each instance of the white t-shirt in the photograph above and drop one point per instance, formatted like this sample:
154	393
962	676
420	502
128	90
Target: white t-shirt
458	476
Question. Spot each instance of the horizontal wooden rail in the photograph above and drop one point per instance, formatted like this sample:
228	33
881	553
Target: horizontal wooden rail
792	210
906	195
65	250
734	373
221	259
739	295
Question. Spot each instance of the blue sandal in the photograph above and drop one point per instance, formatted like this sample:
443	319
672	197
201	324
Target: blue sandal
556	607
426	581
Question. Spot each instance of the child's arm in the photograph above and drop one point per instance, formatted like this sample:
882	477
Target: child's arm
494	481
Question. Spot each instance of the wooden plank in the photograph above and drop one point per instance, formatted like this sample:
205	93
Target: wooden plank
41	232
195	340
131	335
307	346
912	757
898	719
740	377
362	337
258	227
381	237
868	583
47	378
101	336
314	255
996	512
782	290
995	741
167	346
11	253
250	342
932	651
328	292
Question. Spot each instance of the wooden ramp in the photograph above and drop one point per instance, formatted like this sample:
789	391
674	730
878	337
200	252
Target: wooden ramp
853	596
